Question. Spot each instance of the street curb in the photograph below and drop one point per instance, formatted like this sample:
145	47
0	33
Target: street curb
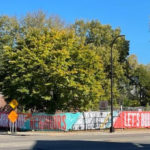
73	133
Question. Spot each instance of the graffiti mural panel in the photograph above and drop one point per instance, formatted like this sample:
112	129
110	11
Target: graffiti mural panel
133	119
78	121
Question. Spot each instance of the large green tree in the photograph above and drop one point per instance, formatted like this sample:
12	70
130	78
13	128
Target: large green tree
143	82
47	69
48	66
100	37
139	80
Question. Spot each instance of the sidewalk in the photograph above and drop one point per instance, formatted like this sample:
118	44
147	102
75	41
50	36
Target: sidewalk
72	133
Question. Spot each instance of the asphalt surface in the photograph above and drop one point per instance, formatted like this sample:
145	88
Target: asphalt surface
76	141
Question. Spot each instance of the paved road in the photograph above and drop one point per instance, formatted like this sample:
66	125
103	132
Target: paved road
83	141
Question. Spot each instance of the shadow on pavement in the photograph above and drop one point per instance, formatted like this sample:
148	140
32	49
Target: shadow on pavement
87	145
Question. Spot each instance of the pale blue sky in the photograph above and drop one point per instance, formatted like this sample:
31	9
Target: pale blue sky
132	16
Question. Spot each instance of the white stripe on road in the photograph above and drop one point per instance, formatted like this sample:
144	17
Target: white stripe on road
138	145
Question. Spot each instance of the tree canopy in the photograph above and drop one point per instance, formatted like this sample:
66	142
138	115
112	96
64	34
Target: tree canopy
48	66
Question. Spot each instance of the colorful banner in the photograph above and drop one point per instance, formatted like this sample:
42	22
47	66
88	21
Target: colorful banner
77	121
41	121
133	119
62	121
91	120
21	123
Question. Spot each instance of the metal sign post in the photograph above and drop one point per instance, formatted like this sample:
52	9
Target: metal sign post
13	128
10	126
121	118
16	127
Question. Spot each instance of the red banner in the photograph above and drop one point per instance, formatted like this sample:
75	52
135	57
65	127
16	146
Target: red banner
133	119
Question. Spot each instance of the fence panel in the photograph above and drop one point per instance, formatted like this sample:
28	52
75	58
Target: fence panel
78	121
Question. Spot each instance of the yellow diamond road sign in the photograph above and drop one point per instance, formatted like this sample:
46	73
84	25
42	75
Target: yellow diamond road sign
12	116
13	103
